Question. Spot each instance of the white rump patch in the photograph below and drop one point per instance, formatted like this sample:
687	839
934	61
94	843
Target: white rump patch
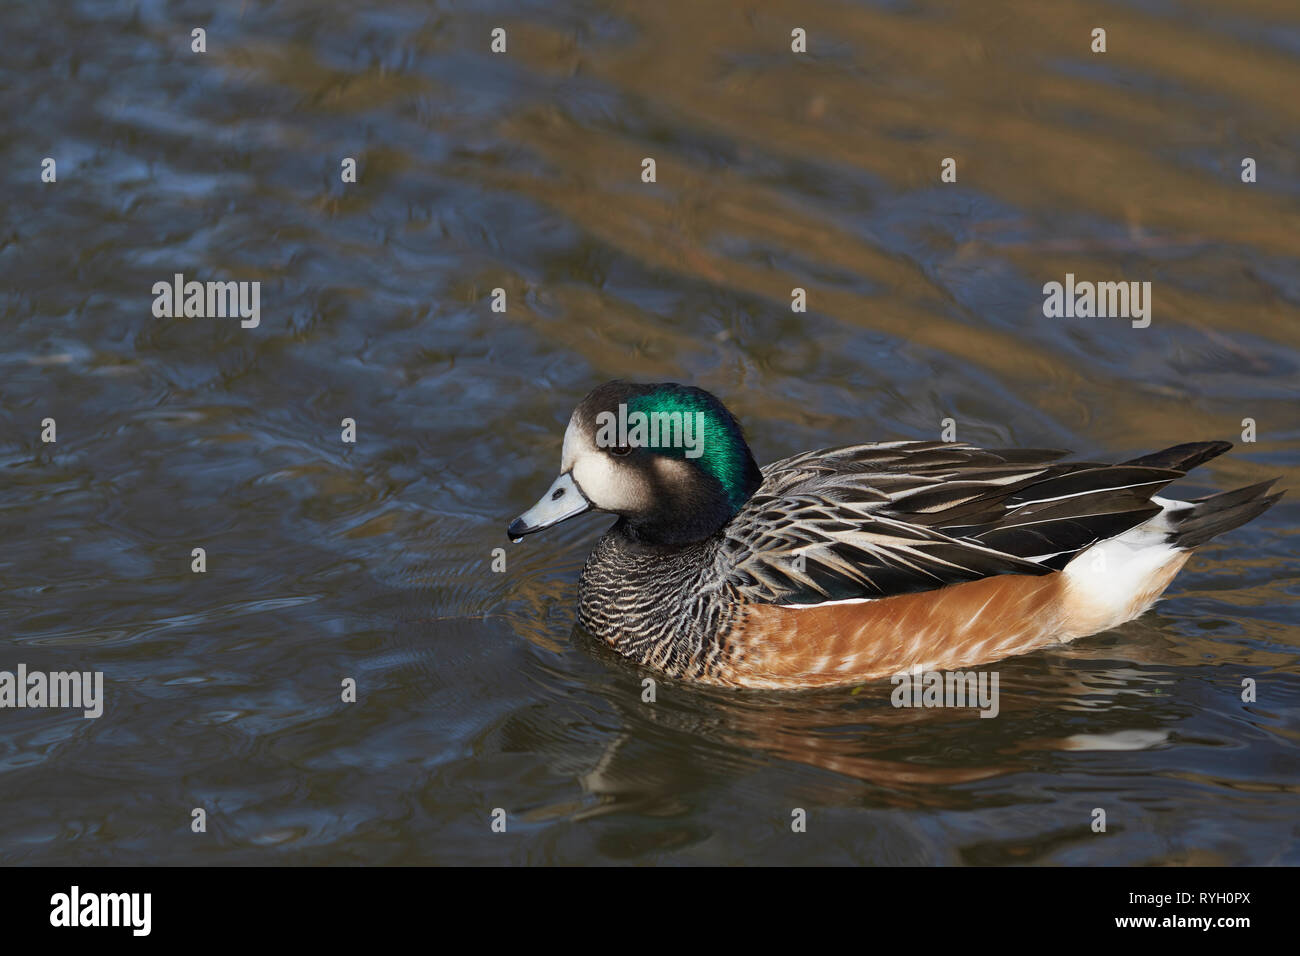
1111	576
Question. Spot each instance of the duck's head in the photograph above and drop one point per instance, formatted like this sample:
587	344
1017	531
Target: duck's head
669	459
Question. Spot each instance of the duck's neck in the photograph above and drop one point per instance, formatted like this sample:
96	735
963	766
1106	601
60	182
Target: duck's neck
668	528
690	505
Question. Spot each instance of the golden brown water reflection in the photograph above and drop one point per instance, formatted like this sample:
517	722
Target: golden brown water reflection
522	171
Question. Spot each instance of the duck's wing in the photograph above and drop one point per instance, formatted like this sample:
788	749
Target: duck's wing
875	520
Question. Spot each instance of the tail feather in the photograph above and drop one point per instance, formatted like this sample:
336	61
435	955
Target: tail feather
1183	457
1204	518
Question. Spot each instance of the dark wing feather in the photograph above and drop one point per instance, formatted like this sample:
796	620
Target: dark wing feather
875	520
801	555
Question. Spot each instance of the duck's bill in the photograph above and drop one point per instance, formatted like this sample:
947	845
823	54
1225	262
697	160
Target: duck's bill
563	500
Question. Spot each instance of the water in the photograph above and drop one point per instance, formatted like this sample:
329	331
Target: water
373	561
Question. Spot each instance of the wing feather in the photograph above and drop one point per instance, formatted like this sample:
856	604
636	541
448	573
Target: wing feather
874	520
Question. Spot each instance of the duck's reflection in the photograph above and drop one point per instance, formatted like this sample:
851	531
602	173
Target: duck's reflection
871	753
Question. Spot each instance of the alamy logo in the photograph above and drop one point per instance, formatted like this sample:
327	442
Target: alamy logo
103	909
653	430
951	689
208	300
1105	300
54	689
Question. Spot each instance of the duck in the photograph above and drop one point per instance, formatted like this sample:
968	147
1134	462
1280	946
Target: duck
851	564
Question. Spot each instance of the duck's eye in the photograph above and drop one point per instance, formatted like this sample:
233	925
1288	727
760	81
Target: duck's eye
620	450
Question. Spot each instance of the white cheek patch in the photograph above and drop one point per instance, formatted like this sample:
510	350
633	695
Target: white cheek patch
573	437
607	485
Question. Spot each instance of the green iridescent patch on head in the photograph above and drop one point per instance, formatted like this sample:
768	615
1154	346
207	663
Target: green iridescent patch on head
690	424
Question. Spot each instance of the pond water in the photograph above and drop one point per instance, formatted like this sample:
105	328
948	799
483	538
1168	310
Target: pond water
522	171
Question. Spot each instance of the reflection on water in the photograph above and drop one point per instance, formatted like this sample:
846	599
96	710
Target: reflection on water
521	171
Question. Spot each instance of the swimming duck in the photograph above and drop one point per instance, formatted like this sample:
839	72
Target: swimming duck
859	562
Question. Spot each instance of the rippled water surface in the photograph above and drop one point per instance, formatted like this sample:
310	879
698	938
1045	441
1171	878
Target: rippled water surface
521	171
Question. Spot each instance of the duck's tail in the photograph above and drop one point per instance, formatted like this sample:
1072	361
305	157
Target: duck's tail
1117	579
1189	524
